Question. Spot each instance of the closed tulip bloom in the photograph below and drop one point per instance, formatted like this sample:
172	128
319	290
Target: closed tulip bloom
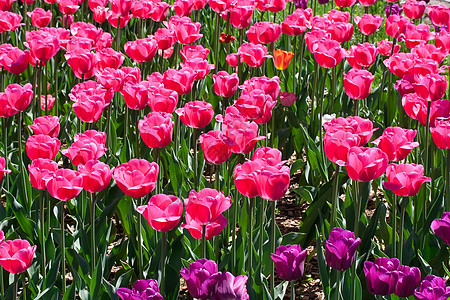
16	256
354	124
289	262
137	177
441	133
243	134
397	142
121	7
48	125
114	20
340	249
136	95
187	32
400	63
142	50
216	147
404	179
270	86
263	33
273	182
159	11
3	171
408	281
6	5
362	55
42	146
108	58
414	9
365	164
416	108
156	129
369	24
270	156
382	275
415	35
19	97
9	21
246	177
196	114
395	25
180	81
282	59
42	45
47	102
96	175
198	277
240	16
230	287
81	62
213	229
432	288
441	227
141	9
296	23
340	31
225	85
328	53
357	83
255	105
101	14
200	66
431	87
183	8
252	54
345	3
68	8
41	170
6	110
163	100
162	212
194	51
15	60
165	38
65	184
442	39
205	206
439	15
385	47
40	17
96	3
84	150
142	289
96	136
337	144
89	109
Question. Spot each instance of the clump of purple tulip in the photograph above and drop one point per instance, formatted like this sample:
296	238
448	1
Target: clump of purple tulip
432	288
340	249
290	262
142	289
205	282
441	227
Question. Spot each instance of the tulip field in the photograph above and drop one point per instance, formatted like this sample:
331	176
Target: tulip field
151	149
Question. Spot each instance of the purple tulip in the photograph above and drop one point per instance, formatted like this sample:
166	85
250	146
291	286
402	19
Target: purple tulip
142	290
230	287
382	275
408	280
432	288
340	249
290	262
393	9
199	280
441	227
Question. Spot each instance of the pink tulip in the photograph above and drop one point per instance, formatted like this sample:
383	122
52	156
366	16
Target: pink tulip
46	125
162	212
163	100
196	114
337	144
365	164
404	180
3	171
42	146
19	97
142	50
205	206
84	150
41	170
137	177
397	142
441	133
40	17
181	81
273	182
156	129
216	147
65	184
16	256
212	229
246	177
96	175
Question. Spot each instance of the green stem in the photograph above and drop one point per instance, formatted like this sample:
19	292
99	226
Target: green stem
5	148
355	107
356	200
203	241
163	261
118	42
292	290
63	249
2	287
15	283
427	171
261	229
321	112
24	286
196	175
217	177
300	69
447	193
216	41
250	240
333	88
93	242
394	226
21	167
334	200
139	240
272	249
125	136
294	64
43	233
313	95
156	152
338	284
402	225
233	237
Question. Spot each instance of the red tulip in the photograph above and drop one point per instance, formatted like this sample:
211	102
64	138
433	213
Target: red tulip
137	177
16	256
41	170
212	229
337	144
368	24
263	33
357	83
46	125
108	58
42	44
162	212
81	62
196	114
96	175
40	17
5	5
47	101
15	60
273	182
404	180
395	25
165	38
180	81
256	105
397	142
362	55
2	168
199	4
42	146
271	5
328	53
225	85
205	206
253	55
439	15
183	8
9	21
441	133
355	125
365	164
414	9
431	87
142	50
163	100
19	97
156	129
385	47
340	31
216	147
246	177
296	23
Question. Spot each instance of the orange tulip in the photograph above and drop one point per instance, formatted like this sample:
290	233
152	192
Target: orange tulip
282	59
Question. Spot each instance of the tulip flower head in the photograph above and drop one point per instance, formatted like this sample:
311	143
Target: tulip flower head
289	262
340	249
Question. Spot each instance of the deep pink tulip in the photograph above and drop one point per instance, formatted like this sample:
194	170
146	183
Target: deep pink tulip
84	150
205	206
121	7
212	228
41	170
137	177
81	62
264	33
3	171
68	7
183	8
165	38
287	99
136	95
270	86
340	31
96	3
141	9
89	108
256	105
381	275
42	146
430	51
40	17
96	136
86	30
159	11
273	182
252	54
141	50
108	58
240	16
416	108
357	83
65	184
340	249
365	164
355	125
431	87
397	142
196	114
219	5
441	133
338	16
48	125
9	21
395	25
337	144
19	97
385	47
96	175
42	45
246	177
6	110
244	134
408	280
400	63
415	35
414	9
270	156
271	5
111	79
313	36
345	3
199	278
441	227
15	60
328	53
156	129
186	31
362	55
442	39
194	51
216	147
162	212
200	66
47	102
439	15
6	5
225	85
405	180
101	14
296	23
16	256
163	100
180	81
369	24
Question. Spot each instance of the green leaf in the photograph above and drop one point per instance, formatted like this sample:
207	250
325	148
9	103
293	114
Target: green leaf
323	269
280	290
